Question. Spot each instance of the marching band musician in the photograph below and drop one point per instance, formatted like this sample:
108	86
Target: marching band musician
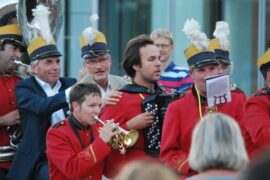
141	62
11	48
258	108
97	61
75	148
183	114
220	45
42	100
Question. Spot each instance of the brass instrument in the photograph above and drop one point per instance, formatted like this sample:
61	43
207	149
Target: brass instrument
123	140
23	70
28	26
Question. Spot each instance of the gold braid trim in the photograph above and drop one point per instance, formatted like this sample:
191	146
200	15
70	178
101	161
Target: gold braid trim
88	154
93	153
178	162
180	167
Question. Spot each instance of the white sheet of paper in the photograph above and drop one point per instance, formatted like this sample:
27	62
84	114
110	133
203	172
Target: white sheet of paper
218	90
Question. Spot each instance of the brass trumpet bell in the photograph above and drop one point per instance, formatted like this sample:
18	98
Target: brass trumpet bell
123	140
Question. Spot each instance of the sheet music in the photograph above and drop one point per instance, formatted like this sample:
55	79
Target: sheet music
218	90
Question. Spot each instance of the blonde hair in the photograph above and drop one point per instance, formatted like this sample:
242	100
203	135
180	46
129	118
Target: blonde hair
162	33
138	170
217	143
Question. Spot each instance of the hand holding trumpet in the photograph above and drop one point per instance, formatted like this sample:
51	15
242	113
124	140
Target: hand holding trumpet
117	137
108	131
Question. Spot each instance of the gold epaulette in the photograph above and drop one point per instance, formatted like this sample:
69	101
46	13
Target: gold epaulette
234	88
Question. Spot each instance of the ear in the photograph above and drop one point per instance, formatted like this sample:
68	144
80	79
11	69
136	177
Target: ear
34	67
190	72
136	67
75	106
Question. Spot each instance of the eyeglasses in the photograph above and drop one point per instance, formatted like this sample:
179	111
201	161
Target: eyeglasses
163	46
98	60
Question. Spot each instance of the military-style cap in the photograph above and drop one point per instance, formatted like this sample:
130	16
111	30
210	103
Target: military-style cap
39	48
263	63
93	43
220	44
42	44
198	54
11	32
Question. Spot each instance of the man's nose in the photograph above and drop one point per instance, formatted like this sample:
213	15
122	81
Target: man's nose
18	53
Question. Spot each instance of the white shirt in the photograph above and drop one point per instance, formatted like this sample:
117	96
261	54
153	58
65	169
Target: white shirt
106	91
57	115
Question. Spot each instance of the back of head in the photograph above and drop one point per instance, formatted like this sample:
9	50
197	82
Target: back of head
132	54
217	144
162	33
139	170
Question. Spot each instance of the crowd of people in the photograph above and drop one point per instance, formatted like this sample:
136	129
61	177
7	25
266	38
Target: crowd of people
48	123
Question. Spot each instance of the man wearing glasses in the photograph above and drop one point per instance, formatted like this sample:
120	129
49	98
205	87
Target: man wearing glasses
97	61
172	76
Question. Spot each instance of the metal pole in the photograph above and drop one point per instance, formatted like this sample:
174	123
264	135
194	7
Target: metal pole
261	38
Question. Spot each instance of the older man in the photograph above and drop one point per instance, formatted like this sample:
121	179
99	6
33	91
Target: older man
42	101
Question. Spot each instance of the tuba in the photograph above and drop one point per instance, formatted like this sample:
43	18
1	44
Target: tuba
25	18
123	140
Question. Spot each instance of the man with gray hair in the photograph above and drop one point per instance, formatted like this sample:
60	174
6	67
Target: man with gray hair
172	75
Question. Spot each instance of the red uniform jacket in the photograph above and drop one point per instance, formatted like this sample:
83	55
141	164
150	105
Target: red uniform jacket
258	118
7	104
181	117
129	106
66	157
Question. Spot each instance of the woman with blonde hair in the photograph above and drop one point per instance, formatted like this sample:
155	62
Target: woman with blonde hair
217	150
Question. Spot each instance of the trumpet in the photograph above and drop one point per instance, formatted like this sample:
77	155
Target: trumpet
123	140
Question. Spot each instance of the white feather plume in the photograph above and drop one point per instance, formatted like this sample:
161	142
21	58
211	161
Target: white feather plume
198	38
41	21
221	33
90	33
93	18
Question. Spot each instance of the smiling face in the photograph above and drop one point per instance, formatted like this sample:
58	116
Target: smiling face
99	68
148	72
8	54
47	69
90	107
198	75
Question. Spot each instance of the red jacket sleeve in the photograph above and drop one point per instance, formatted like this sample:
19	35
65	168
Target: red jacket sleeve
171	151
61	153
258	120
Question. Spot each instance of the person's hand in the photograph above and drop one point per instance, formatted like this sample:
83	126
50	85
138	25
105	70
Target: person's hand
108	131
11	118
111	98
140	121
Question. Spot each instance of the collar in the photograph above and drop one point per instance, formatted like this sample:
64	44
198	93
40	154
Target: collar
44	84
77	124
203	99
170	67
